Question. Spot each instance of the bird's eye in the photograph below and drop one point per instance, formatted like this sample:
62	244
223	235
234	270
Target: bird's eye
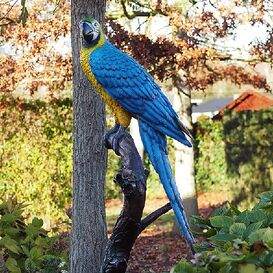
96	24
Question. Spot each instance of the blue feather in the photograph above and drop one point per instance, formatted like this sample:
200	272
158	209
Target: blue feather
135	90
156	146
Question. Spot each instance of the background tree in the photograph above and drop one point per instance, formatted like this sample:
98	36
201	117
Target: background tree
88	216
39	51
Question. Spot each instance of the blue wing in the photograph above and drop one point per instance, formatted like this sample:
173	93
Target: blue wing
134	89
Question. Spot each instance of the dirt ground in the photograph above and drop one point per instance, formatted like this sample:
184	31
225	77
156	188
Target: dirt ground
156	252
157	249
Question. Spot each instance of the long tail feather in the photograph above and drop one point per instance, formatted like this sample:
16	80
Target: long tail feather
156	146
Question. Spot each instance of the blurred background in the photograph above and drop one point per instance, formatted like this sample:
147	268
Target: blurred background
212	58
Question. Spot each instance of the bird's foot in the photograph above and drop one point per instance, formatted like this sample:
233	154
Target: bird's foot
113	137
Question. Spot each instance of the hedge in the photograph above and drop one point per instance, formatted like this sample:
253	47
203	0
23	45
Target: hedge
236	153
36	157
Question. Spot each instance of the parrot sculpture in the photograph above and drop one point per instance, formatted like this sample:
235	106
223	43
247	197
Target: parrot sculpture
130	91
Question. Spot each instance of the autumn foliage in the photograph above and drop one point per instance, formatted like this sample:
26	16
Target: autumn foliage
35	61
34	34
193	48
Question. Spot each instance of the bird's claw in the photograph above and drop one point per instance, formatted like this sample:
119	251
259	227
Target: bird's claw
107	136
113	137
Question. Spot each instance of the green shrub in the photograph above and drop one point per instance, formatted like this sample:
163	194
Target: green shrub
248	137
237	241
236	153
36	157
210	158
26	248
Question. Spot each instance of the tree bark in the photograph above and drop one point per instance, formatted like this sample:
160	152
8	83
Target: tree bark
184	156
132	180
88	212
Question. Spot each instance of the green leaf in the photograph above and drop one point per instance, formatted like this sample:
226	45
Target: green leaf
267	258
257	216
252	228
8	218
221	211
223	237
256	236
11	231
42	242
208	232
199	221
243	217
32	230
234	209
183	267
10	244
35	253
25	250
265	235
269	244
229	257
12	265
237	228
31	266
266	197
268	235
250	268
221	221
36	222
202	247
269	214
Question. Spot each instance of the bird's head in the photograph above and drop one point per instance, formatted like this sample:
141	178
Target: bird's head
91	32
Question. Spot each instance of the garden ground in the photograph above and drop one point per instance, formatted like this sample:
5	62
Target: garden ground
157	249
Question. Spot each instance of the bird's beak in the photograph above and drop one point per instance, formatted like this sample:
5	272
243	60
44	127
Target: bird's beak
87	31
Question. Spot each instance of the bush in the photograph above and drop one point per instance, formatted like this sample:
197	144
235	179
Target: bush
210	158
237	242
36	157
236	153
248	137
26	248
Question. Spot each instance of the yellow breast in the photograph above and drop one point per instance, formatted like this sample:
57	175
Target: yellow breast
122	116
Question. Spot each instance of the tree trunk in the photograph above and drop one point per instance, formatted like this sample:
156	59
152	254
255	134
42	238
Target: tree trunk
184	156
88	238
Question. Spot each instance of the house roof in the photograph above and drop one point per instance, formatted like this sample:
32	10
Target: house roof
249	100
211	105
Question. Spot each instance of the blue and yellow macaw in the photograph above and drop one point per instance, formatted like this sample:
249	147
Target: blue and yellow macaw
130	91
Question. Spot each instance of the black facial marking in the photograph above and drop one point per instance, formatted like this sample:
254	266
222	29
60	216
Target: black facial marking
88	37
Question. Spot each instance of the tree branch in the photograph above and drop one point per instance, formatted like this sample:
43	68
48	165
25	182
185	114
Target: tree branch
153	216
139	13
132	180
